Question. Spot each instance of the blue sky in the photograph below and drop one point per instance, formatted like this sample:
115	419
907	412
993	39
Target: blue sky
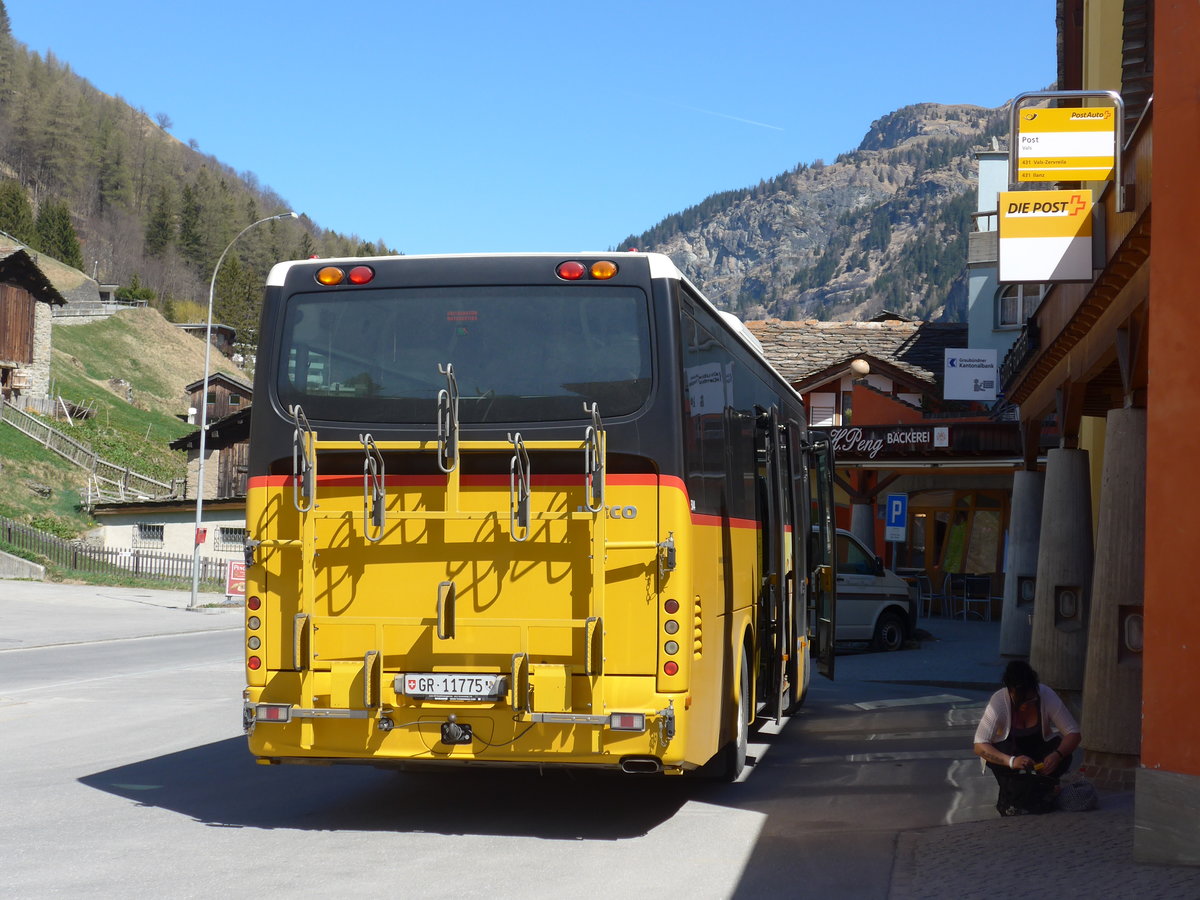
489	126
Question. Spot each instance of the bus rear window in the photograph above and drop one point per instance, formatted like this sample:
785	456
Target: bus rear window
520	354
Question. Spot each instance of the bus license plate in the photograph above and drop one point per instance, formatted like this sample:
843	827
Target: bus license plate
451	686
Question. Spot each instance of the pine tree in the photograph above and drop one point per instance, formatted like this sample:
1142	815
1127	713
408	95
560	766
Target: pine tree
56	234
191	241
160	228
7	52
16	216
112	172
307	248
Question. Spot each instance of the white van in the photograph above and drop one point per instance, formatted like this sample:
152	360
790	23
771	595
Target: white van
873	603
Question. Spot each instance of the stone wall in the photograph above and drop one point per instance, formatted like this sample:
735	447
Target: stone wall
39	385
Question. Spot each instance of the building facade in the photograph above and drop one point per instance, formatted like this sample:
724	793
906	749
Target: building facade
1113	623
878	388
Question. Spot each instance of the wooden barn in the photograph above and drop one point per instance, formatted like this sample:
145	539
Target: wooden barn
26	300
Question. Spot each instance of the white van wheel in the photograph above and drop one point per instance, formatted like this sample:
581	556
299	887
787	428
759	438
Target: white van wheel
889	632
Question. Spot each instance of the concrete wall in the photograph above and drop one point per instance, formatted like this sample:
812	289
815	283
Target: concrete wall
15	567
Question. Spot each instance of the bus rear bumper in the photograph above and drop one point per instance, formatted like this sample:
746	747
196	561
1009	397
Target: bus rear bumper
648	741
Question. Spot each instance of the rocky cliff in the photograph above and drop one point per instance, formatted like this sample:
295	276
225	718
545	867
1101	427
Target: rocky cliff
883	227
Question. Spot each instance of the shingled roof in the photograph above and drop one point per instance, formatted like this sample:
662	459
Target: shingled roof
18	267
810	350
71	285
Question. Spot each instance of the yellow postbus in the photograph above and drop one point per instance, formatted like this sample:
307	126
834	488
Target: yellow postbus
525	509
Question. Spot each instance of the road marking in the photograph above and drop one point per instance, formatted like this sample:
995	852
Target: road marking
912	701
141	637
884	756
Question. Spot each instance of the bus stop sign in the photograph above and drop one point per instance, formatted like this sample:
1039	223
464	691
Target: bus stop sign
896	517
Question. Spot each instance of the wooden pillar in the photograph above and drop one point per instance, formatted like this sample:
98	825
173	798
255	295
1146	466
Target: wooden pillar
1112	691
1058	646
1021	563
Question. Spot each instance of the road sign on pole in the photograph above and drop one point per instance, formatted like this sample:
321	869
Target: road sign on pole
1067	144
896	517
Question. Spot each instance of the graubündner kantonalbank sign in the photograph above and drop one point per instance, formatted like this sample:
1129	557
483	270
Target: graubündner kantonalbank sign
970	375
1045	236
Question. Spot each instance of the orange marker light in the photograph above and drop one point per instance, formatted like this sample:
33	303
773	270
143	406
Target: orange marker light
604	270
330	275
571	271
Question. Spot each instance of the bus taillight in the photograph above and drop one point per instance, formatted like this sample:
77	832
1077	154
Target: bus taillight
571	271
255	663
253	602
360	275
671	667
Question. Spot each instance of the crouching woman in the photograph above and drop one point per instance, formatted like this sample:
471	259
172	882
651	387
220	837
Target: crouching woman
1026	738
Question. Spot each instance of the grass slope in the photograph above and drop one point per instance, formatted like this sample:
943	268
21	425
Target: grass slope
157	360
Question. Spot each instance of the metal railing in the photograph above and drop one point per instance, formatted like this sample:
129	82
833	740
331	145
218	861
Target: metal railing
112	483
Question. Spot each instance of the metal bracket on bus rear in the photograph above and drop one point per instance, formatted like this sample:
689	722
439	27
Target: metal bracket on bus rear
666	724
666	556
304	461
372	679
593	459
301	641
447	421
519	683
591	633
374	491
519	480
446	595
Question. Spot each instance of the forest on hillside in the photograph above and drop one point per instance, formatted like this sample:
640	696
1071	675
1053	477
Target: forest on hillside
91	180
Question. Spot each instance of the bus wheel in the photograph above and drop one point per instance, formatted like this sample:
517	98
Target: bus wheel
889	632
735	751
799	669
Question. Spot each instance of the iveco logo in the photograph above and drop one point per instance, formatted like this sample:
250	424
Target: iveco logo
616	512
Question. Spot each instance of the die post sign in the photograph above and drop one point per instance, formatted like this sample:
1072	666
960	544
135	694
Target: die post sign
1045	236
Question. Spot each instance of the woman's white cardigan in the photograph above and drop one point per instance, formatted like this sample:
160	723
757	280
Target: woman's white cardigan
997	717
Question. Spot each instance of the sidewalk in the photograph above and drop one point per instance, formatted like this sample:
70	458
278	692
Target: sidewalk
42	614
1063	854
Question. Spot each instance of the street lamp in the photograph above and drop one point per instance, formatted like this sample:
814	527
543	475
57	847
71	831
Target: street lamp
204	404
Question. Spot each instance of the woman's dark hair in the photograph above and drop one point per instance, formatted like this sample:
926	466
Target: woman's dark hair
1020	676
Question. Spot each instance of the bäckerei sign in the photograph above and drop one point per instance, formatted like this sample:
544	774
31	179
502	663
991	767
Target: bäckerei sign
871	442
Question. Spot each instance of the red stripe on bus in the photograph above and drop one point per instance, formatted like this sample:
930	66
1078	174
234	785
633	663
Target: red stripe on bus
722	521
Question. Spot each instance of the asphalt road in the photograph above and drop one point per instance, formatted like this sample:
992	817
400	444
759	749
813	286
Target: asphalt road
124	773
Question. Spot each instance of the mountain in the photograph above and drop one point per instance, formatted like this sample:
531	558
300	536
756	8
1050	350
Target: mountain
883	227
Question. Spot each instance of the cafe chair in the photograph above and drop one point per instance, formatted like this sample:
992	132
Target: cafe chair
927	596
977	592
954	587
